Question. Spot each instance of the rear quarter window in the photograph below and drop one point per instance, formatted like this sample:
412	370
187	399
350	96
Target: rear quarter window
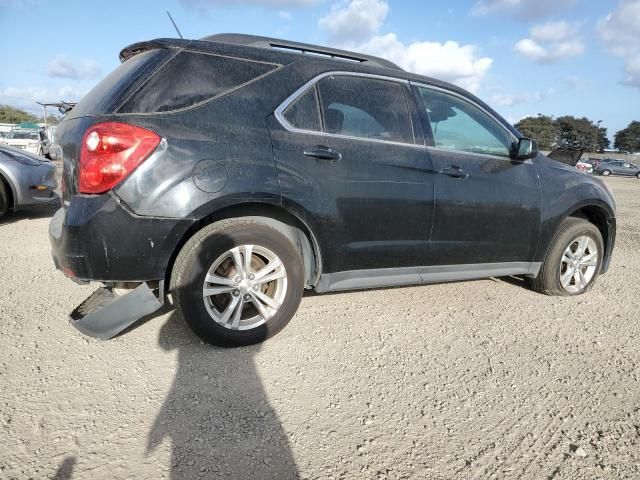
190	78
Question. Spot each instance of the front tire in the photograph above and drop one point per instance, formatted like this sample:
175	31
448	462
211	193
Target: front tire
237	282
573	261
4	199
606	173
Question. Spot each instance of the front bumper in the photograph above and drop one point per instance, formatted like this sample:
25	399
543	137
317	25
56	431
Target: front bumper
96	238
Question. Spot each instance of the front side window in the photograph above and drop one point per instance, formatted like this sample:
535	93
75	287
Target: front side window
366	108
458	125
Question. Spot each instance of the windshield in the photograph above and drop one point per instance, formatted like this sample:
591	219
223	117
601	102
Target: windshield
24	135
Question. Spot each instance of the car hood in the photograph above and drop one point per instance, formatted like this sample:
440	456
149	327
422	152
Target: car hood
20	141
568	156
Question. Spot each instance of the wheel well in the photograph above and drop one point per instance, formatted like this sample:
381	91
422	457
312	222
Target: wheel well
281	219
598	216
9	190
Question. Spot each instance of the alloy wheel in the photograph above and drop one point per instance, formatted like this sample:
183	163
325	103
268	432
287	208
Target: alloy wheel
578	264
245	287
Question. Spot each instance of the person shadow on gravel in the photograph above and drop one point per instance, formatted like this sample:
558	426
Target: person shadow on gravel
217	415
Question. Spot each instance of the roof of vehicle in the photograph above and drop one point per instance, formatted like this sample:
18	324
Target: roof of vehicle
299	47
285	51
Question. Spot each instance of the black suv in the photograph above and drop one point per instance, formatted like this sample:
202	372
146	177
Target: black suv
234	172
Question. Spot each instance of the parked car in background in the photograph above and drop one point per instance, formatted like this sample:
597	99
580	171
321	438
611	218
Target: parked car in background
25	180
618	167
236	171
595	162
34	141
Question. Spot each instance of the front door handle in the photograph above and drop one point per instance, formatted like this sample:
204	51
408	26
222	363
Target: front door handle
454	171
323	153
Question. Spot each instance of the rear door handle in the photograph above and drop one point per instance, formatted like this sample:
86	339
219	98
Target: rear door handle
454	171
323	153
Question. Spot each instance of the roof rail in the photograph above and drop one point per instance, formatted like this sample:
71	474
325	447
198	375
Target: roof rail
297	47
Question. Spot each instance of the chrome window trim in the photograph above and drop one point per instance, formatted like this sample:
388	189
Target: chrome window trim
479	107
279	112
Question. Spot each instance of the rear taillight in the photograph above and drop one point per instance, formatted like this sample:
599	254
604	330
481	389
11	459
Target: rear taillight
111	151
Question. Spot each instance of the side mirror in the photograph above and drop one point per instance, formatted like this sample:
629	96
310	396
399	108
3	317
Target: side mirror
525	149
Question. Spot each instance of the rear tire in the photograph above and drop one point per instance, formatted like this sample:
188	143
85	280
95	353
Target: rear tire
4	199
557	266
227	301
638	175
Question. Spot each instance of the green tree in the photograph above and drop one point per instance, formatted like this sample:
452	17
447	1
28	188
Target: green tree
581	133
15	115
628	139
51	119
542	129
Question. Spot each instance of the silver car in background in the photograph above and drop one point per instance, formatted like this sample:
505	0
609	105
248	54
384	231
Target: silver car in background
25	180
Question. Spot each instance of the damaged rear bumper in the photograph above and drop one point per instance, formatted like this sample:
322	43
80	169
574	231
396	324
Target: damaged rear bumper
105	314
96	238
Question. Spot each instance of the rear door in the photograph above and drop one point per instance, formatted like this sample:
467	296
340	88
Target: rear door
350	159
487	205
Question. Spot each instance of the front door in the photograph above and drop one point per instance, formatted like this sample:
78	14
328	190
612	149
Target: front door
487	205
349	165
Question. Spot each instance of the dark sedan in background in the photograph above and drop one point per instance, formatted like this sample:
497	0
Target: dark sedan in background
25	180
618	167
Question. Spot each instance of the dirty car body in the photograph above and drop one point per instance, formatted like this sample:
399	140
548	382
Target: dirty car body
29	179
369	195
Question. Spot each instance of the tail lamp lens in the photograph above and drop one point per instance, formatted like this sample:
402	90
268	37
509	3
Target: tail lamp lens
110	152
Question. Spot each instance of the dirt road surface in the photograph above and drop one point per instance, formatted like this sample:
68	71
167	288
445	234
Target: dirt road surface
482	379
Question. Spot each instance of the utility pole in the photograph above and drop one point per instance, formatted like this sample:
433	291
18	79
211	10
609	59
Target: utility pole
595	138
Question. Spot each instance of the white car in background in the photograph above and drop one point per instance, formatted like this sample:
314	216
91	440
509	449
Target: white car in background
584	166
31	140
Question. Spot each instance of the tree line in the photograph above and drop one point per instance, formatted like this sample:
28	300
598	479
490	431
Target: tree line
10	114
578	133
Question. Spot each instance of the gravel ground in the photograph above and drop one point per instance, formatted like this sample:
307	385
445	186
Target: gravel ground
474	379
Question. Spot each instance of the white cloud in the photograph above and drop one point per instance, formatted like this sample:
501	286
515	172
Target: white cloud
522	9
620	31
354	25
511	99
550	42
354	20
62	66
285	15
206	4
447	61
26	97
552	31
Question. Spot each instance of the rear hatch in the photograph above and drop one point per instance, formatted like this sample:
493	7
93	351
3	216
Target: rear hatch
103	100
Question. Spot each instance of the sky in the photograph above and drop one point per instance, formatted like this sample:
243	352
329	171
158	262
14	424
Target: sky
524	57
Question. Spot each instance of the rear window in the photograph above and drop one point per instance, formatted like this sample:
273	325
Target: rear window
110	92
190	78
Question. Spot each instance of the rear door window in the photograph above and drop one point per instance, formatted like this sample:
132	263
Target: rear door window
304	113
366	108
190	78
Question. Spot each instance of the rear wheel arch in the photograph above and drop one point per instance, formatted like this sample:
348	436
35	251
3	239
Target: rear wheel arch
290	225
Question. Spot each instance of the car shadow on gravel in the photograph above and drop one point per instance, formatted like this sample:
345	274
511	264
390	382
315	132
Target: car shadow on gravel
30	213
217	415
